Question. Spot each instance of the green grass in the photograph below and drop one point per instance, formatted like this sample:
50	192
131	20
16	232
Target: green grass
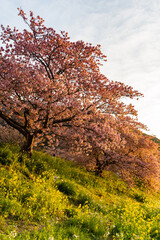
53	199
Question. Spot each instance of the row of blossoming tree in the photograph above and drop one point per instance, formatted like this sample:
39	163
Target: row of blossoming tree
52	90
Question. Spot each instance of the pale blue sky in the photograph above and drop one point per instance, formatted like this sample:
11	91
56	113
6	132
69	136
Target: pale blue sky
128	31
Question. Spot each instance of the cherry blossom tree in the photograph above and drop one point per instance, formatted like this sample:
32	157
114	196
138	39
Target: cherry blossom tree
52	91
118	146
49	84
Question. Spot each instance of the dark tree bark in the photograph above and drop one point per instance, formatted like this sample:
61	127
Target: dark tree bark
99	166
28	143
27	147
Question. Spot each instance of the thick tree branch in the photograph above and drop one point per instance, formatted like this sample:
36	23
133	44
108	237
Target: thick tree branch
26	112
63	120
13	123
46	119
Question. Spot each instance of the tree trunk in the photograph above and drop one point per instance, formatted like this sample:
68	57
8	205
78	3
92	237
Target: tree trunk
28	145
98	170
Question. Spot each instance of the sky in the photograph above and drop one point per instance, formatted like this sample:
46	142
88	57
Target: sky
127	30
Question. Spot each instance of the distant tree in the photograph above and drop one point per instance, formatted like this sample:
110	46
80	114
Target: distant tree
9	134
121	148
50	85
156	140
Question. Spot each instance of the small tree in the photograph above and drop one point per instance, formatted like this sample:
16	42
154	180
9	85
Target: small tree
49	85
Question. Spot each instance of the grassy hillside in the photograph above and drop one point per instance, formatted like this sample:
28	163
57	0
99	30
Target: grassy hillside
53	199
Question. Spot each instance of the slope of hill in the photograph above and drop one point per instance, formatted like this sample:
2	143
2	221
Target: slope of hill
156	140
53	199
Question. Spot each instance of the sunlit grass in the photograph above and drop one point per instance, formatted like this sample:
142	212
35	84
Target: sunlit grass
53	199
